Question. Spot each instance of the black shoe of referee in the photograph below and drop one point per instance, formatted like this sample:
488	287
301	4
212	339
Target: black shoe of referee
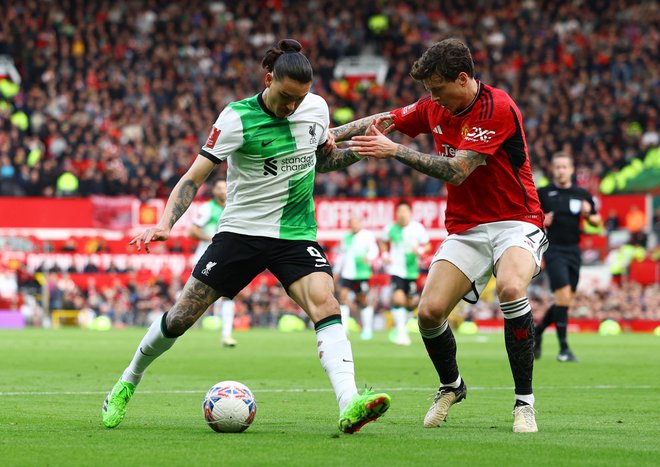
566	356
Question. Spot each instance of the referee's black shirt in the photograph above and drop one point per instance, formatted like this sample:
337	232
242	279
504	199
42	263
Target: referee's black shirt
566	204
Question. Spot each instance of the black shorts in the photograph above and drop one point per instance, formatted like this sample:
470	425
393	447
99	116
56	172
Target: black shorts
562	264
409	286
357	286
233	260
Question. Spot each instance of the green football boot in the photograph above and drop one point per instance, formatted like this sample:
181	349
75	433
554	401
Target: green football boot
363	408
114	407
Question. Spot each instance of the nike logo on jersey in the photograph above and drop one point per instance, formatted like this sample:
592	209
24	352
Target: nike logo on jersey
266	143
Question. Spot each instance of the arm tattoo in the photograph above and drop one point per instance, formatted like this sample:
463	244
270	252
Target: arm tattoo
184	197
453	170
193	302
335	159
356	128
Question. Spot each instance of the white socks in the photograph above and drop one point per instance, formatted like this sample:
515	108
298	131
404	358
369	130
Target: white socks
516	308
227	316
336	357
455	384
367	318
153	344
527	398
400	316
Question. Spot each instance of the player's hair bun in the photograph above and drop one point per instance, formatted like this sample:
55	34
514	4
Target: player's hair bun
289	46
286	60
285	46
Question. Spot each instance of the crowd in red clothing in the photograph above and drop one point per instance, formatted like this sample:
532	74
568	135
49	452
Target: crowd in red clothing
137	302
122	94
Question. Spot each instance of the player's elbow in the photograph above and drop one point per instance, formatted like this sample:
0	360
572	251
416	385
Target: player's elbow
457	179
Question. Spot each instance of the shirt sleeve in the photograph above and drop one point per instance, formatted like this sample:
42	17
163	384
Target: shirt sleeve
225	138
325	117
202	216
412	119
591	201
488	130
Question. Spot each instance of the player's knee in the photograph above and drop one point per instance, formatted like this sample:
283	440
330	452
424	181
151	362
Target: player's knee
399	298
432	312
323	305
510	291
563	296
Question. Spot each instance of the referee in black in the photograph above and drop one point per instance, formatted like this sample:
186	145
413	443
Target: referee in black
563	204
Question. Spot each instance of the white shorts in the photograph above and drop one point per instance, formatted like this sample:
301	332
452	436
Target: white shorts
476	251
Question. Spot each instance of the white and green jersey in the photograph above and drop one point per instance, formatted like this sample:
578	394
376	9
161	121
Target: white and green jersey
356	252
207	218
270	166
404	242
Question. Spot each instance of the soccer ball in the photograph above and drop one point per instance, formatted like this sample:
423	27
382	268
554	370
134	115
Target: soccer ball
229	407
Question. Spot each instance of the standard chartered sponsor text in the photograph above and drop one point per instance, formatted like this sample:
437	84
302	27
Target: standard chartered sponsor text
296	163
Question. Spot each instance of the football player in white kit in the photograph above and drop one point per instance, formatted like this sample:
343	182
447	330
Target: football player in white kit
203	228
273	144
357	252
407	240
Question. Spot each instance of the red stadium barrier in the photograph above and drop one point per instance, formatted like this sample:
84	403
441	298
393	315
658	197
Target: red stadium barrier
63	217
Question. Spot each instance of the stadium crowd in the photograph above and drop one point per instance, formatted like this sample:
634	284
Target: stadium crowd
138	302
116	97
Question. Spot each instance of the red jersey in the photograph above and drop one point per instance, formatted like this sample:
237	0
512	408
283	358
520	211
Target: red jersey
500	190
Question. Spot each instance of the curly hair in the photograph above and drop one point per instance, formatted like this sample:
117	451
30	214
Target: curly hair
447	59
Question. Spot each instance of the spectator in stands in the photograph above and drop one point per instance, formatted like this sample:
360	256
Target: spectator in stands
107	92
612	221
656	224
636	224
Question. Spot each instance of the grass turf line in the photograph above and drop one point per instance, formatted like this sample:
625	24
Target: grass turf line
579	423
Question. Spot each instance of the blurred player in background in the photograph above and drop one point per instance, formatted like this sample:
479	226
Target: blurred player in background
203	228
273	144
564	205
493	215
357	251
402	243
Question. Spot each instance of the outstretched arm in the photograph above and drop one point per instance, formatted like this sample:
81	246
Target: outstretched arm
178	202
454	170
358	127
329	159
451	169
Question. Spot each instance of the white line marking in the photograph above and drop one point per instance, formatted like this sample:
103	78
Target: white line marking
297	390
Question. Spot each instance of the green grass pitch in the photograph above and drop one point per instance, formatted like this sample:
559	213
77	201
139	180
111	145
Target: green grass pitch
604	410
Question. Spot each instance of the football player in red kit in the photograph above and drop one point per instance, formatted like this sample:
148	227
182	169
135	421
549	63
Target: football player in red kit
493	217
